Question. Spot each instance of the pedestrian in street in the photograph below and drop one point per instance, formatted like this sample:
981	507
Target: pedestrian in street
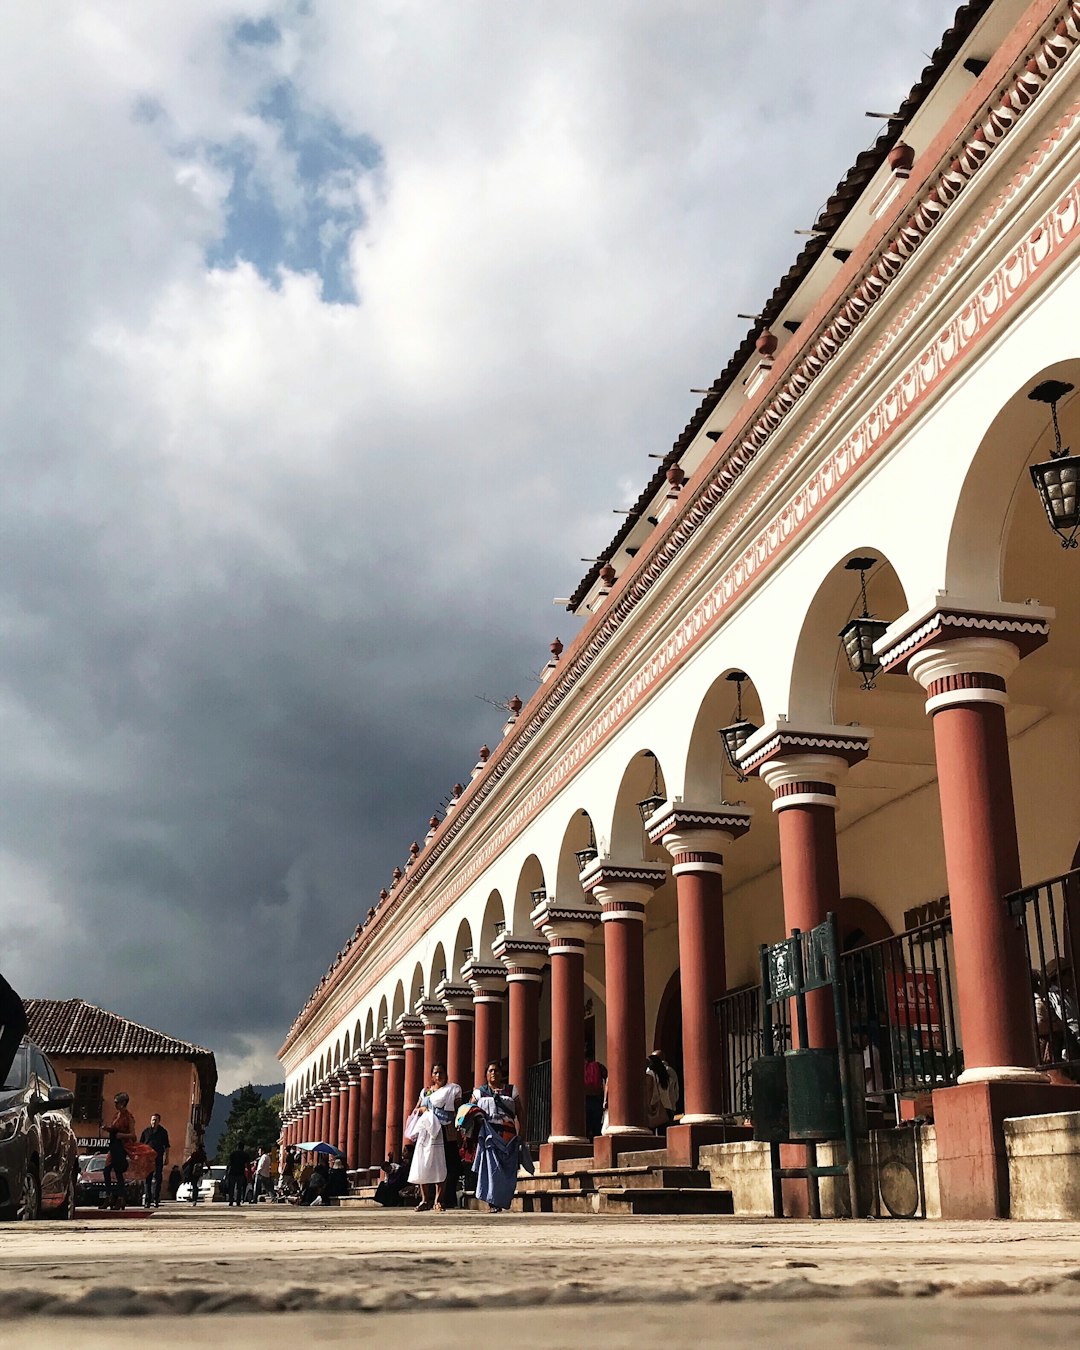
499	1144
176	1180
662	1091
193	1166
264	1175
157	1136
435	1163
236	1175
595	1079
121	1133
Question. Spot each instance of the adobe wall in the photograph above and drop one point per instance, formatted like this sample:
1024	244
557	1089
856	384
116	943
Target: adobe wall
167	1086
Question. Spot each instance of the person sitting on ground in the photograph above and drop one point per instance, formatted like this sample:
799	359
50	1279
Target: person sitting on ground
317	1185
337	1183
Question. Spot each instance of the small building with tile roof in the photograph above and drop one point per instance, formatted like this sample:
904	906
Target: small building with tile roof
98	1053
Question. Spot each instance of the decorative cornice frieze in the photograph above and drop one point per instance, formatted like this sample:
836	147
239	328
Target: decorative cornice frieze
1048	54
1025	626
782	742
678	818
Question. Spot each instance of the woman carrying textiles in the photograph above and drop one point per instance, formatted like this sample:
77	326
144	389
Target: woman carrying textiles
435	1162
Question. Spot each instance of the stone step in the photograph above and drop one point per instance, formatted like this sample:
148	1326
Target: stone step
663	1200
646	1157
638	1178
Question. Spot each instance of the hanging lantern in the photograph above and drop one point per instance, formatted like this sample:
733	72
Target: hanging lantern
859	635
649	805
740	730
1057	480
538	896
587	855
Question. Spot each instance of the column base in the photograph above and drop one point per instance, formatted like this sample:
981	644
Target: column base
607	1147
685	1138
973	1168
557	1150
1005	1074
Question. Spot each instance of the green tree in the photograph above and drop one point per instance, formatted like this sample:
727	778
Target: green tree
252	1123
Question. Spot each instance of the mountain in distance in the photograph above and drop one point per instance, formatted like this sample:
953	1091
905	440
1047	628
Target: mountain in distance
222	1107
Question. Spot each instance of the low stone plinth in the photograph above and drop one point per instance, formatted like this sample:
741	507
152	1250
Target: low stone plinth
741	1167
1044	1166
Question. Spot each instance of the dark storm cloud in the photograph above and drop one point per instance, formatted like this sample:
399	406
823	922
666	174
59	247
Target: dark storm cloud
259	554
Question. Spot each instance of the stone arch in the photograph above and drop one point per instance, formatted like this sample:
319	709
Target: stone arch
464	942
997	494
417	984
708	775
579	835
530	878
494	916
346	1053
820	664
357	1039
369	1028
397	1008
384	1016
860	922
642	776
438	968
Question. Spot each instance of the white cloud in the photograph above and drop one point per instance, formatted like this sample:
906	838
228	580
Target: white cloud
259	552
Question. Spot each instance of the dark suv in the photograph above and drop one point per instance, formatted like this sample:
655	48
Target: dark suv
38	1149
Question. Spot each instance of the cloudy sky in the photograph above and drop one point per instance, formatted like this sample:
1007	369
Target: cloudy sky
332	333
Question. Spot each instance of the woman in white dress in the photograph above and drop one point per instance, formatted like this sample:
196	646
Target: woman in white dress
434	1112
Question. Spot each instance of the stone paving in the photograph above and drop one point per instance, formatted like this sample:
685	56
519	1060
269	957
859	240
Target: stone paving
240	1277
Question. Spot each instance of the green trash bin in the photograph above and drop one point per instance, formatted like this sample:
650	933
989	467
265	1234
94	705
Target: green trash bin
815	1106
769	1086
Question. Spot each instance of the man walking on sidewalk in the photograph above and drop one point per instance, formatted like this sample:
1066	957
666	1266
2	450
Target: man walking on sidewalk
157	1136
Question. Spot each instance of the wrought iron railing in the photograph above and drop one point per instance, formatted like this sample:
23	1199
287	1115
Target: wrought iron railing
1048	914
901	999
538	1102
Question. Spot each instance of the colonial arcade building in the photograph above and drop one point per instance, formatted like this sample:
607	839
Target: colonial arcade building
709	764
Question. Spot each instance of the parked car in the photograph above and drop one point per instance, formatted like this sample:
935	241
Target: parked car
90	1183
211	1186
38	1148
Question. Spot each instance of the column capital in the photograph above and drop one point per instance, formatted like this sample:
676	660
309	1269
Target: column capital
411	1029
363	1063
523	957
456	999
432	1014
395	1045
696	836
487	981
948	621
377	1053
565	926
804	765
622	889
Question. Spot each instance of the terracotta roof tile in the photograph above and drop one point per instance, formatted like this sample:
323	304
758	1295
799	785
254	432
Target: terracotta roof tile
832	216
72	1026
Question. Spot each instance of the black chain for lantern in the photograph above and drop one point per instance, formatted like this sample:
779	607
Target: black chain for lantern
740	730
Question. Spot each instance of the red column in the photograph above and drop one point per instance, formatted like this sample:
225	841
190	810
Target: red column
487	983
457	1000
434	1019
364	1119
311	1124
965	684
565	930
395	1088
524	959
412	1028
352	1119
803	766
334	1115
379	1097
323	1116
696	839
623	892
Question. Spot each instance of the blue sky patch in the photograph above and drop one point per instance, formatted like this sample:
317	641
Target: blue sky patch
301	219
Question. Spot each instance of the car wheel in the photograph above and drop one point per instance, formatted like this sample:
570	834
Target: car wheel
30	1200
67	1209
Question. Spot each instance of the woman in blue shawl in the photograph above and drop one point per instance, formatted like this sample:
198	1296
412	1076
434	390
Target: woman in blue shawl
499	1145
